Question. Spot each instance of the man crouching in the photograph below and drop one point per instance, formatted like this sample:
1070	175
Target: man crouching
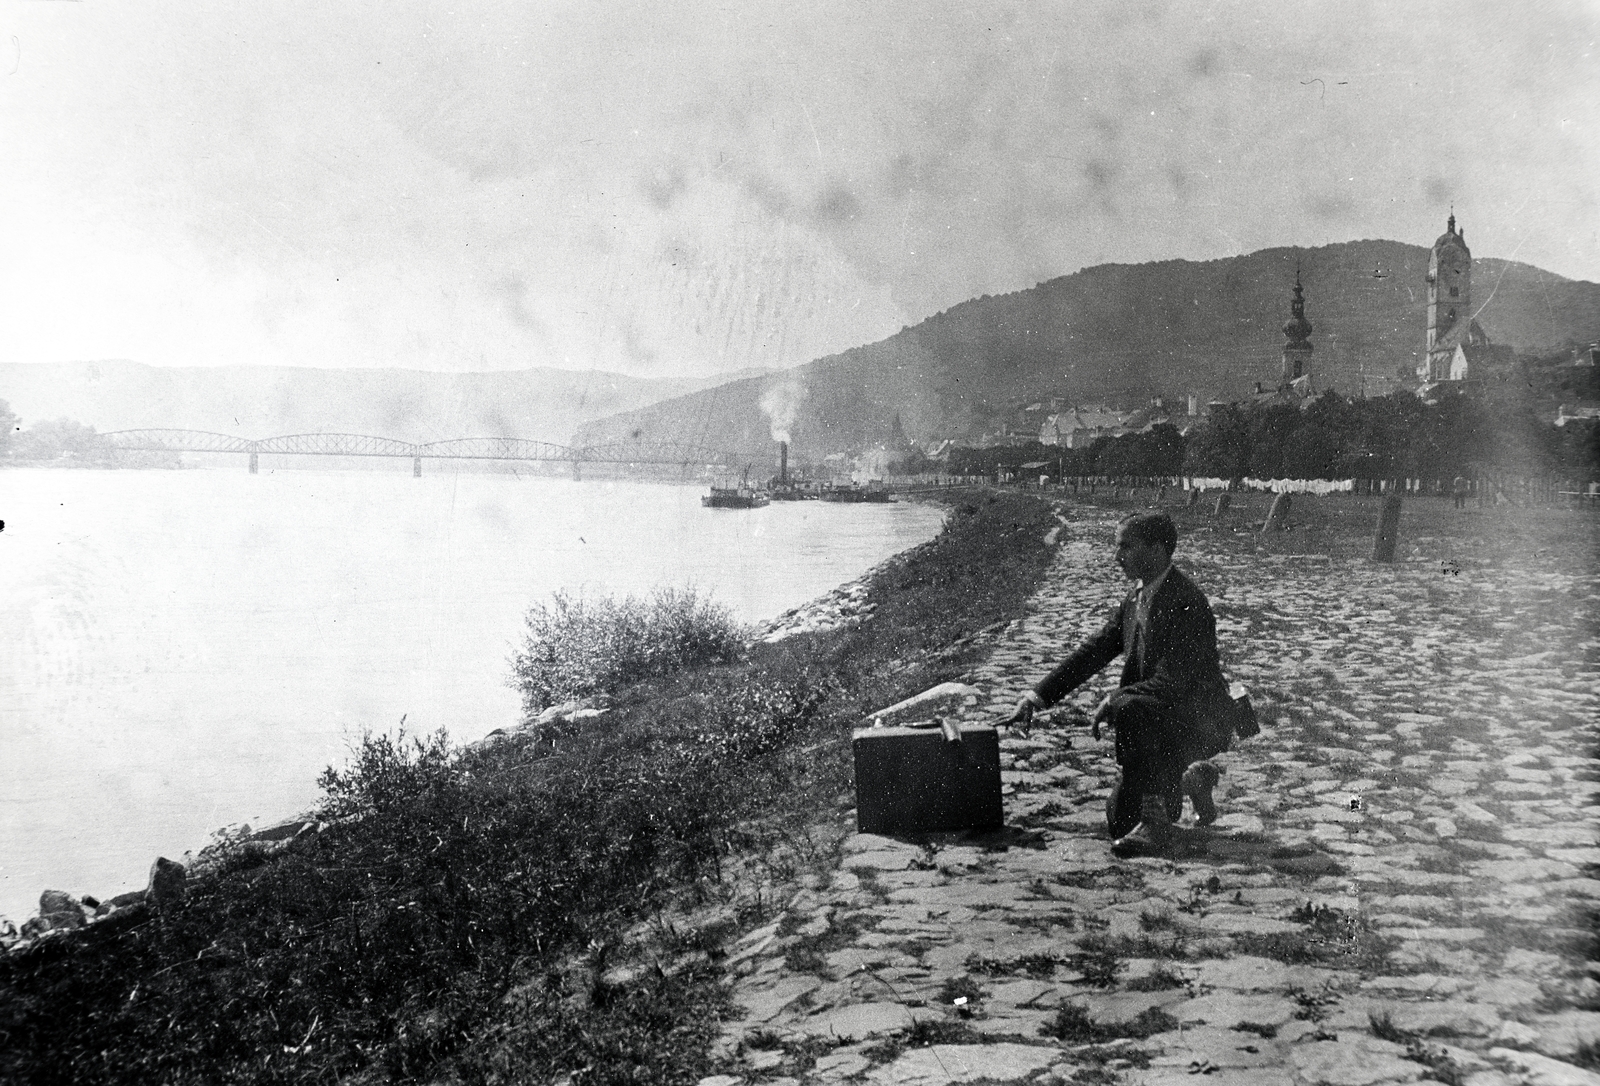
1172	707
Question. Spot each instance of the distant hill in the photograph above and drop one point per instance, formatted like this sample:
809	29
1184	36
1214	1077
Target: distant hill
1123	332
266	401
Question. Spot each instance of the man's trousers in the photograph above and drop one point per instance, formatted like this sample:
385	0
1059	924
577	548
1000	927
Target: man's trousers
1153	749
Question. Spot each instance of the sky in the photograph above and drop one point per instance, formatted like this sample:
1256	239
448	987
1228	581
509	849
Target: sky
688	189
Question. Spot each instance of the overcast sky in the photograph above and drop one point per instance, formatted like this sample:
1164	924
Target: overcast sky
690	188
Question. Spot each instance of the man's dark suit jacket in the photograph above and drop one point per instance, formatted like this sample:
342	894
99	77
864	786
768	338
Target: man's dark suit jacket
1179	665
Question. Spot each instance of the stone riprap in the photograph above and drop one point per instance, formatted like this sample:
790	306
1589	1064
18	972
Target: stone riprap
1401	885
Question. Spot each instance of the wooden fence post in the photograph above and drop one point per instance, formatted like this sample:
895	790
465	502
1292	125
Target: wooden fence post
1278	517
1388	533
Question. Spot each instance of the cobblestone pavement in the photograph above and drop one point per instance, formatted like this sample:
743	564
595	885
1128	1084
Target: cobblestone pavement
1400	887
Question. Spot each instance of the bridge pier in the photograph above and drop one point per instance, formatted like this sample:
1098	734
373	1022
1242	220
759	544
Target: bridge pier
416	467
255	464
577	475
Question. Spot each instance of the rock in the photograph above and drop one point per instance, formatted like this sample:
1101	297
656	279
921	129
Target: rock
765	1059
868	850
1427	984
167	883
1448	1018
60	911
939	1065
1246	924
1247	973
284	831
859	1021
556	712
1228	1009
1021	992
1561	1035
1114	1007
122	901
1219	1049
1540	1070
841	1065
767	1004
34	927
1359	1061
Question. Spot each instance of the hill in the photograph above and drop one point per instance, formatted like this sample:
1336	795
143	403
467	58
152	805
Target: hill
265	401
1122	333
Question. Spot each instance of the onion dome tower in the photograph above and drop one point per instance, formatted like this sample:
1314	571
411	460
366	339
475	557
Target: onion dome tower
1297	335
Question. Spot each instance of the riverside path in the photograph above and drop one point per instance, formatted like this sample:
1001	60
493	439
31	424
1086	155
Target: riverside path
1401	886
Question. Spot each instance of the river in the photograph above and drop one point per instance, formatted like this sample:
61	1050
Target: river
187	650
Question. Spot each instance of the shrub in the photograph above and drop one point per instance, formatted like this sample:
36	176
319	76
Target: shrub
385	773
577	647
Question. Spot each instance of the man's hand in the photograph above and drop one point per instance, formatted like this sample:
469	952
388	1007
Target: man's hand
1102	713
1022	717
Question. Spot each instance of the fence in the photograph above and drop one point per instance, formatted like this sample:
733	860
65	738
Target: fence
1517	489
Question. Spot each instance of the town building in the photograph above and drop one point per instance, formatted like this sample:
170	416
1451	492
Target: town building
1078	427
1458	349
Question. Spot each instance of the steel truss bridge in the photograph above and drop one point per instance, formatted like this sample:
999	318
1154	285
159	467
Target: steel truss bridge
666	453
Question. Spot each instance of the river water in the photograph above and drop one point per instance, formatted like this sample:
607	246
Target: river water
186	650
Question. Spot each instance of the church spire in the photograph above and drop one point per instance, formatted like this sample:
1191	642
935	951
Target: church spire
1297	335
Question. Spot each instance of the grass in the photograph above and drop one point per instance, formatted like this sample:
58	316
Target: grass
922	1034
1038	966
1098	949
454	917
1260	1029
1072	1025
1159	979
962	987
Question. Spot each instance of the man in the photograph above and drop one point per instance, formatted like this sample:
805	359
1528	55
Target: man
1172	708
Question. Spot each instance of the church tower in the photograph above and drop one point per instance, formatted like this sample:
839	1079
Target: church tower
1449	301
1297	336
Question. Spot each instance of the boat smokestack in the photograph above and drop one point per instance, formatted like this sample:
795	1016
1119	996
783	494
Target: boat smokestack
783	462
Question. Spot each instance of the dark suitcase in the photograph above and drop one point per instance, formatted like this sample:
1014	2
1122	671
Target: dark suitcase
914	780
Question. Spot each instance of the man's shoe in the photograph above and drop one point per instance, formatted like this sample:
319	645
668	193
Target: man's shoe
1152	836
1198	781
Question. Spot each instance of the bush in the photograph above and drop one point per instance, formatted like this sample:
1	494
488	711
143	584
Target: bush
577	648
387	772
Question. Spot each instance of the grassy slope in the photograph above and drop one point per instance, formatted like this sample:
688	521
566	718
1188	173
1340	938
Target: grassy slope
427	934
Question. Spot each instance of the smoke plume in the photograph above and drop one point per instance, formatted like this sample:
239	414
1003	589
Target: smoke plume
781	402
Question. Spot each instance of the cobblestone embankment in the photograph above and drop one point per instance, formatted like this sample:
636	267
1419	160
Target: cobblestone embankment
1401	885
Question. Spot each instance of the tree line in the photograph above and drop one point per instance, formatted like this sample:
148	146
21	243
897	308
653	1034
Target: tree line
48	439
1388	437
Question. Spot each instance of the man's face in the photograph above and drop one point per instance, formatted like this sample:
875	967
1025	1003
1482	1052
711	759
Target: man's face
1138	560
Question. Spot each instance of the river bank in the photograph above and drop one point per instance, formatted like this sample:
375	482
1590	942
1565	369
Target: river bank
415	930
188	650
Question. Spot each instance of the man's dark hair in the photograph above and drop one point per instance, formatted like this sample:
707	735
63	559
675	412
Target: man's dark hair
1152	528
